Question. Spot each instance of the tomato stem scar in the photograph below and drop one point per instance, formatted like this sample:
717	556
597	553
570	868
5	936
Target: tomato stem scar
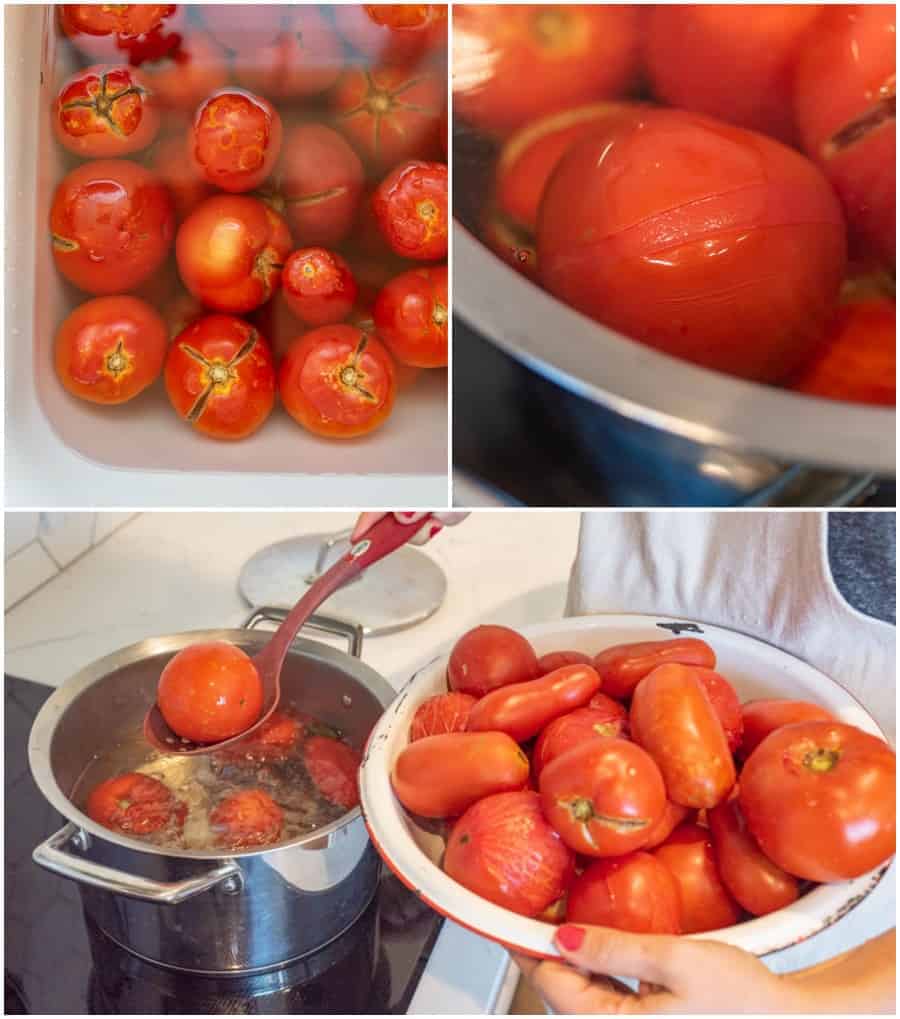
821	760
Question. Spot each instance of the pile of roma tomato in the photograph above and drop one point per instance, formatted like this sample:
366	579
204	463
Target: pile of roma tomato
715	181
256	199
632	789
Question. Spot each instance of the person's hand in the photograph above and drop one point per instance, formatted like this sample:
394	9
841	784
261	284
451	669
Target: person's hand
426	533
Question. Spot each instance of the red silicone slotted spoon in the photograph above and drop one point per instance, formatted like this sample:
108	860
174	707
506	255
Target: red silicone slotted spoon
383	538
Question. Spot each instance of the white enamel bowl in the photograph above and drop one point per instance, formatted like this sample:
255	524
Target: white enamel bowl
756	670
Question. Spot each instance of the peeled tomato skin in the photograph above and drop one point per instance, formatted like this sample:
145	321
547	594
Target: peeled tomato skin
711	243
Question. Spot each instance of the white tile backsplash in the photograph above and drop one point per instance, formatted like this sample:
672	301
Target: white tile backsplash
27	569
65	536
20	529
106	523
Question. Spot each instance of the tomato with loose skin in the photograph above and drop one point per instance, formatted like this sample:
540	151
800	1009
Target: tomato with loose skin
334	769
489	657
110	349
135	804
231	251
727	250
440	776
338	381
383	32
556	659
673	719
764	716
411	314
577	727
187	73
319	286
820	799
279	730
236	139
243	28
634	892
111	225
106	31
671	817
220	377
247	818
410	206
623	666
727	704
603	796
187	188
445	712
503	850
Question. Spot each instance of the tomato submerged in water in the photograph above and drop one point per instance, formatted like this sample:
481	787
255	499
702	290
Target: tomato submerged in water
318	286
246	819
412	315
333	766
135	804
410	205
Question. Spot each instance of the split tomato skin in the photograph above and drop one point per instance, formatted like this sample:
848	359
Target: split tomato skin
672	816
503	850
334	768
410	206
634	892
556	659
441	776
445	712
247	818
135	804
107	31
603	796
318	286
764	716
488	657
236	139
576	727
726	703
623	666
110	349
820	799
411	314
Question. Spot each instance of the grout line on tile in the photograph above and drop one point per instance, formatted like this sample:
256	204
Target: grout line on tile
53	558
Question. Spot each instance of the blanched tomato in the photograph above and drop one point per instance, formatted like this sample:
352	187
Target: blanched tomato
410	206
726	703
634	892
246	819
279	730
556	659
106	31
488	657
577	727
623	666
334	769
671	817
134	804
318	286
445	712
514	244
187	188
236	139
411	314
764	716
386	33
183	76
243	28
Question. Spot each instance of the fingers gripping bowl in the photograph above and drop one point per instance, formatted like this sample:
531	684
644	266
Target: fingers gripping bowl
413	850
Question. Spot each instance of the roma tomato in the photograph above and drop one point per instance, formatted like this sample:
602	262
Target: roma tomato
765	716
318	286
334	769
566	53
634	892
673	719
135	804
728	251
706	904
671	817
183	76
603	796
489	657
503	850
236	139
231	251
247	818
187	188
411	314
111	225
726	703
220	377
440	776
523	709
820	799
209	692
410	206
623	666
574	728
445	712
556	659
337	381
759	885
110	349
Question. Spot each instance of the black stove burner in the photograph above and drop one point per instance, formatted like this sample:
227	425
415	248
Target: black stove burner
59	961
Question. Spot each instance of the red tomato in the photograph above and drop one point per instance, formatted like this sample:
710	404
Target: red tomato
245	819
440	776
523	709
765	716
210	692
279	730
556	659
503	850
706	904
389	114
858	361
726	703
513	244
603	796
671	817
489	657
334	768
110	349
758	884
850	56
410	205
187	73
337	381
728	250
674	720
734	63
574	728
820	799
236	139
230	252
278	324
134	804
383	32
319	286
220	377
514	64
445	712
243	28
623	666
411	314
111	225
187	188
631	893
103	31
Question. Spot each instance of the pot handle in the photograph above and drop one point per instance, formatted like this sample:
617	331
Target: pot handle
351	632
54	855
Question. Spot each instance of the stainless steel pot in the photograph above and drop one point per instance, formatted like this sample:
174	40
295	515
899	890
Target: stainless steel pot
200	911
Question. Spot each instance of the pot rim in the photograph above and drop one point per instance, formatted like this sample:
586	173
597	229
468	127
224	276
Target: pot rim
47	719
657	390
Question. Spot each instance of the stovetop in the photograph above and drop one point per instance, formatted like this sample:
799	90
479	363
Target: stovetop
58	962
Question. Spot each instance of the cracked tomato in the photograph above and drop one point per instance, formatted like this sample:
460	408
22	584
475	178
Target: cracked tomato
318	286
135	804
411	314
445	712
246	819
634	892
410	207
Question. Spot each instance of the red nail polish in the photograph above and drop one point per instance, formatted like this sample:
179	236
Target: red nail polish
570	937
